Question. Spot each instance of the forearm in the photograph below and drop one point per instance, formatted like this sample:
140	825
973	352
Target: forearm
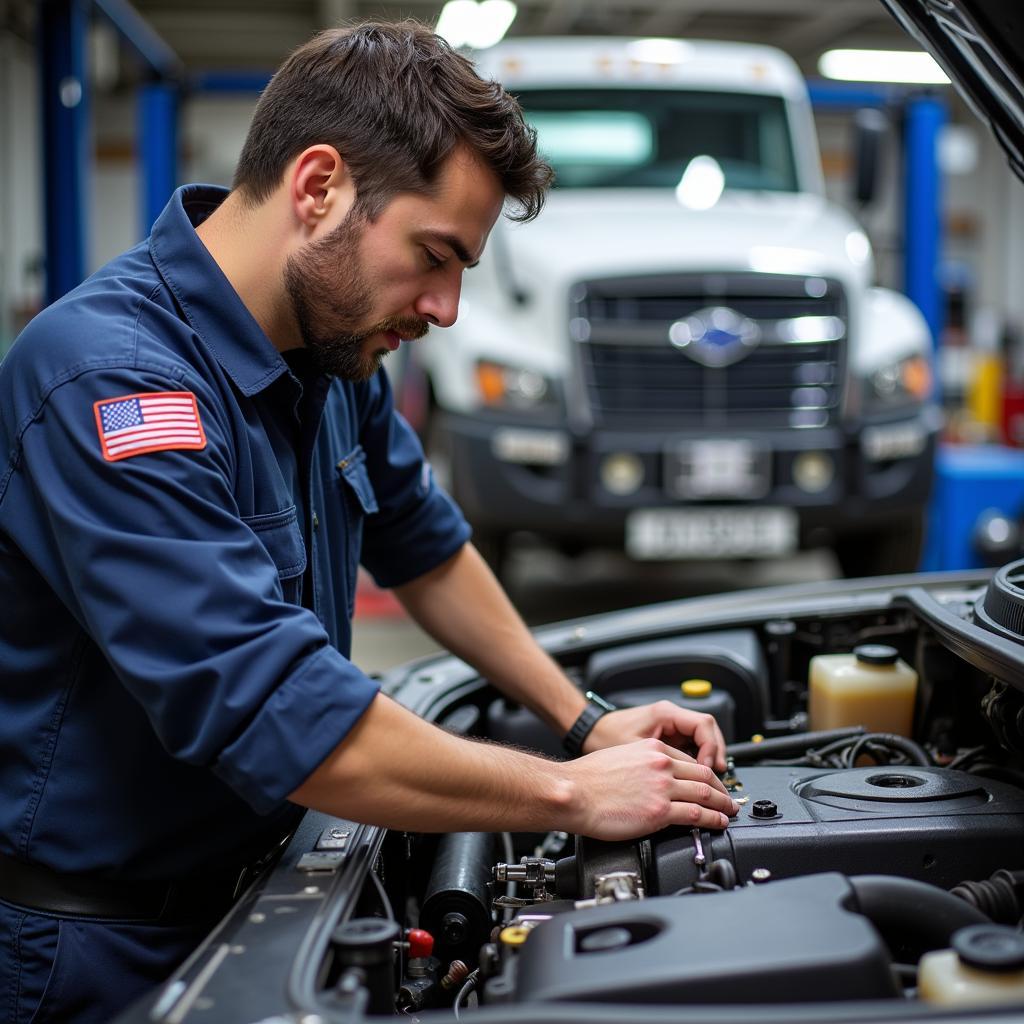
462	606
396	770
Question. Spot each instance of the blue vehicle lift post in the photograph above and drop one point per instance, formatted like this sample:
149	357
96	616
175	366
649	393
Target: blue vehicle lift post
157	120
66	145
67	150
924	118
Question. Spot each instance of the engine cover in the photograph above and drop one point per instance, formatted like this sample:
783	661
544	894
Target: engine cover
930	824
791	940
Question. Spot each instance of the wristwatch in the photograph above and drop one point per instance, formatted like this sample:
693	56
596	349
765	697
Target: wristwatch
581	728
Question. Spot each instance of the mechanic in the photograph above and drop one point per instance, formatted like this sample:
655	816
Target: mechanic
200	448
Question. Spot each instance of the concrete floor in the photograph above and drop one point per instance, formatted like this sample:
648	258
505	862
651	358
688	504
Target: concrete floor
548	587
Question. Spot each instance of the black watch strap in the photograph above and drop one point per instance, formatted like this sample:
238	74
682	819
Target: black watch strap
596	708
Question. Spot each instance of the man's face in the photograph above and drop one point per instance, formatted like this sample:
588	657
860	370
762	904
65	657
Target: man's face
366	286
334	300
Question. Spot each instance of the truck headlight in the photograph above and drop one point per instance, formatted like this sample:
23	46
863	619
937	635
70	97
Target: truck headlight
906	381
622	473
512	387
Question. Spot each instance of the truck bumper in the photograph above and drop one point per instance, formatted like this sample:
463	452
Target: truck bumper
514	477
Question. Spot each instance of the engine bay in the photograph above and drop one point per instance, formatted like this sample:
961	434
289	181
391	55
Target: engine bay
854	854
858	856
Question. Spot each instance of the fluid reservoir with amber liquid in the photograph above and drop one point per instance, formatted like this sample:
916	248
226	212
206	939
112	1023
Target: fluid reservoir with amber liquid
872	687
985	967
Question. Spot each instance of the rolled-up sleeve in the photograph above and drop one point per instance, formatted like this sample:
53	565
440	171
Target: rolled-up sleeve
418	525
180	595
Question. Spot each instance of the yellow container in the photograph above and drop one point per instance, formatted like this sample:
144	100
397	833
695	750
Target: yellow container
985	967
872	687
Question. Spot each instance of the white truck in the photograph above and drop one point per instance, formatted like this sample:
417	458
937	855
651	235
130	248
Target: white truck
684	356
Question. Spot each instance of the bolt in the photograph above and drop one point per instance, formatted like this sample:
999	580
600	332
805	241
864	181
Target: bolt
759	875
764	809
453	927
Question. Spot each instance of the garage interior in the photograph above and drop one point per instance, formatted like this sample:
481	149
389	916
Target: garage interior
737	422
154	93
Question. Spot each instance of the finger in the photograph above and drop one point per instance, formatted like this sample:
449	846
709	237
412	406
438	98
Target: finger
699	728
695	816
687	791
676	753
693	772
710	742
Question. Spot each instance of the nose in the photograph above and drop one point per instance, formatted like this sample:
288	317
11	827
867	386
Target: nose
440	305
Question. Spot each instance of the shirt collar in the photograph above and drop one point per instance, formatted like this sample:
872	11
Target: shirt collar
213	308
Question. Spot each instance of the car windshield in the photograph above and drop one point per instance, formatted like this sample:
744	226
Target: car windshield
646	138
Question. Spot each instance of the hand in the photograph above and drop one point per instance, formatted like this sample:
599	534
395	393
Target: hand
664	721
633	789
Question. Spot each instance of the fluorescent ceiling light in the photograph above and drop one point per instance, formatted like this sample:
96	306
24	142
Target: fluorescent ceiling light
909	66
659	51
479	25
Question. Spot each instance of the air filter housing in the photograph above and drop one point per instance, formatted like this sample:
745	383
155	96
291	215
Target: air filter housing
1001	609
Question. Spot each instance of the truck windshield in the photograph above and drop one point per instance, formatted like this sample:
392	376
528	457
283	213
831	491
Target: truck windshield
646	138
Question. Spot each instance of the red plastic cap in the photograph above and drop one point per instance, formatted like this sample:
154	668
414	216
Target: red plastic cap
421	943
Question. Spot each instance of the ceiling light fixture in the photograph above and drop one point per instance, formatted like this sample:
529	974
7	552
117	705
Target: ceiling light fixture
913	67
479	25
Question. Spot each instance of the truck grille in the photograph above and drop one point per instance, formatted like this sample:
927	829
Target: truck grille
644	353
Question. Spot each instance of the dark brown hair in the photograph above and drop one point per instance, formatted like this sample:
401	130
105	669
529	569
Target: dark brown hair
394	100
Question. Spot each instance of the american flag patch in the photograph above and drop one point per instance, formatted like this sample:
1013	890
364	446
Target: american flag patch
155	422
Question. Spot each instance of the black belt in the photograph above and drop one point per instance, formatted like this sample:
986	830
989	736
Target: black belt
202	898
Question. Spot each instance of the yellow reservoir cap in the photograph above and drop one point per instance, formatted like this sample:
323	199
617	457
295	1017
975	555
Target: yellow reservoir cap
514	935
695	688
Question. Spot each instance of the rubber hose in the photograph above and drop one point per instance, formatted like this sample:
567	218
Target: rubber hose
780	746
917	754
999	897
913	917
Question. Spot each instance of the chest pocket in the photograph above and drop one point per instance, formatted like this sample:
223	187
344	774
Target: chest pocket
359	501
281	535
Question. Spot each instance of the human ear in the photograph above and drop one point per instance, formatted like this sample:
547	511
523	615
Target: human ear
320	185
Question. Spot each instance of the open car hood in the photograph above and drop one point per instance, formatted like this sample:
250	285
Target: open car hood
980	45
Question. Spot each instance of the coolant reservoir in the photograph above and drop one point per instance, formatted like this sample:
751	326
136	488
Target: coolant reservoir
872	687
985	967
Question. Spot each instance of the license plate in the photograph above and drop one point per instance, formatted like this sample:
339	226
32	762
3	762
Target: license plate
711	533
718	468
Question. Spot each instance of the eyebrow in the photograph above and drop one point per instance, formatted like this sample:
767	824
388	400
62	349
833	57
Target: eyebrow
456	246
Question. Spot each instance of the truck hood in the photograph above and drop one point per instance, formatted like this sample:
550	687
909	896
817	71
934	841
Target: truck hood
585	234
980	45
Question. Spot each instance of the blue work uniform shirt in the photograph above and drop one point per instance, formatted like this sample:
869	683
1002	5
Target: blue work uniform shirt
176	626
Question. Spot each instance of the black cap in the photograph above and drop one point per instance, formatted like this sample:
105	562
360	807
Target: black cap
365	941
990	947
876	654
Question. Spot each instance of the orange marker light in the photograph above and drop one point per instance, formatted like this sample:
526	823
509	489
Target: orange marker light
490	381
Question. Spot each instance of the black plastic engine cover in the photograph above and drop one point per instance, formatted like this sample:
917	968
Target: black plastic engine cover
931	824
784	942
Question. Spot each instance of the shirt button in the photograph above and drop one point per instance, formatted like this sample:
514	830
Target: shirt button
316	521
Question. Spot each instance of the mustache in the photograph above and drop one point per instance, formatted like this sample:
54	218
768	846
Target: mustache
408	327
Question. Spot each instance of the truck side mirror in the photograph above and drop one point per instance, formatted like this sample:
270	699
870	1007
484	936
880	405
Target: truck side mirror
869	130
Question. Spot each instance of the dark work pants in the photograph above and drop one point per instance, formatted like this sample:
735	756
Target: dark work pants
79	971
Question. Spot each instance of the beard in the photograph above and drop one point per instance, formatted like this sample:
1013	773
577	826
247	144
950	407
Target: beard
320	275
